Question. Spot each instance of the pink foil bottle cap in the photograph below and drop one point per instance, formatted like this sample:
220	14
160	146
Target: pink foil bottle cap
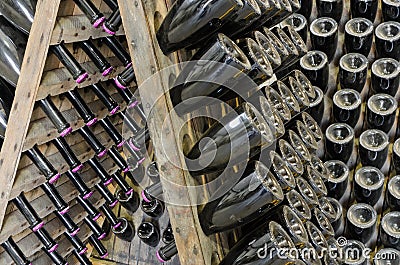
38	226
159	258
82	78
66	132
104	256
144	197
115	110
91	122
108	30
108	182
102	236
102	153
121	144
119	84
128	65
86	196
117	225
126	169
129	192
107	71
133	104
64	211
76	169
141	160
54	178
83	251
75	232
53	248
134	147
97	217
112	205
98	22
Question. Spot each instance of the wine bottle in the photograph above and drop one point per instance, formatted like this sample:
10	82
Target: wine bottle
256	192
129	201
105	97
287	7
299	146
282	172
246	125
168	235
89	208
299	93
19	13
83	189
353	69
135	157
35	222
118	159
272	54
385	76
324	36
392	199
323	223
121	227
95	17
389	230
48	243
55	257
130	122
78	245
55	197
222	56
96	229
245	16
123	80
296	39
332	9
96	57
347	106
15	252
100	171
289	45
307	192
373	148
387	40
98	246
390	10
167	252
190	23
315	65
113	22
93	142
154	191
381	112
118	50
316	181
149	233
112	132
261	69
368	185
268	9
283	102
66	58
358	36
10	61
107	195
299	24
41	162
316	237
83	259
58	120
364	8
339	142
68	155
69	224
338	222
360	222
153	208
123	185
357	247
291	157
338	178
81	107
250	249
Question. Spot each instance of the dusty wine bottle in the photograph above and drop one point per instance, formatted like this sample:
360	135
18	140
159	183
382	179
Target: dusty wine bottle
15	252
55	116
149	233
95	17
113	22
373	148
35	222
368	185
55	197
124	79
68	155
96	57
81	107
41	162
167	252
129	201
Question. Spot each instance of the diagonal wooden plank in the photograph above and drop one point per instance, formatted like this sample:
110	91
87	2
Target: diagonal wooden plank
25	95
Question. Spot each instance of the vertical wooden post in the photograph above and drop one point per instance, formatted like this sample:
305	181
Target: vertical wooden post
140	19
25	95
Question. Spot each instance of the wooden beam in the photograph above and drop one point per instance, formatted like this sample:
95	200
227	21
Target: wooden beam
25	95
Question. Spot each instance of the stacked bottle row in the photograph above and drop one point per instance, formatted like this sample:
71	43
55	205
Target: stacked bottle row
15	28
370	191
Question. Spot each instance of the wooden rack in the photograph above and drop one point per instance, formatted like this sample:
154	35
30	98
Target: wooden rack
42	75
